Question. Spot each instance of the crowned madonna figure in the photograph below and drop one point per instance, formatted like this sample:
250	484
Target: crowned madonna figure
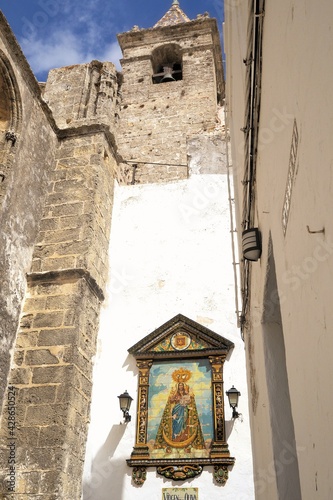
180	427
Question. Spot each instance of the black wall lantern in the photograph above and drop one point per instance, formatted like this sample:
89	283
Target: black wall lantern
125	401
251	244
233	396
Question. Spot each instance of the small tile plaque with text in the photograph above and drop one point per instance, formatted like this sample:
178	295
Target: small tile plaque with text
180	494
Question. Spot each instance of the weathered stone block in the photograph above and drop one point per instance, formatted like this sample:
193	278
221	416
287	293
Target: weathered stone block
30	482
61	235
60	198
27	339
43	251
81	404
39	394
28	436
73	221
65	392
65	152
43	356
47	414
36	266
62	287
19	415
43	459
82	383
20	376
34	304
52	374
57	175
52	436
73	247
49	319
70	163
77	422
63	336
50	482
70	317
26	321
57	302
18	357
70	208
83	150
73	185
58	263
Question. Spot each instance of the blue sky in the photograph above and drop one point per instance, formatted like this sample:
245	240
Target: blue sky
54	33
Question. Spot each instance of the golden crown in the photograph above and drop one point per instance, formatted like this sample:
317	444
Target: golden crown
181	375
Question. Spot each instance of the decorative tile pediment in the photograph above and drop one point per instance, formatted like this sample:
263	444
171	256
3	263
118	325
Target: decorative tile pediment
180	336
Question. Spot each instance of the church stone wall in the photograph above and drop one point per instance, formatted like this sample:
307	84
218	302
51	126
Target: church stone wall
77	215
52	364
56	217
56	341
25	163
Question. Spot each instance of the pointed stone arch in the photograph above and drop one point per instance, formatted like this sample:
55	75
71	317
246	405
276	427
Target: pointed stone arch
10	119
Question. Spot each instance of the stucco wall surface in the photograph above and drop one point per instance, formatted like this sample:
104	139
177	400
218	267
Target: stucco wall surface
170	253
293	174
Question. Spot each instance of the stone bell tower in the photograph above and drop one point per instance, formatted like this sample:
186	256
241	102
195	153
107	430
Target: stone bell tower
172	82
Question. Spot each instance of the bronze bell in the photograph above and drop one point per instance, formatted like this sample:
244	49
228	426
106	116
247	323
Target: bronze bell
167	70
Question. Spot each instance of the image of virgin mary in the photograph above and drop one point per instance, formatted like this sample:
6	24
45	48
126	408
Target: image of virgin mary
180	425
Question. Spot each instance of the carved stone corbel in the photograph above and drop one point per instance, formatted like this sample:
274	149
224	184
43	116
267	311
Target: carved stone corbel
179	472
139	475
10	136
221	474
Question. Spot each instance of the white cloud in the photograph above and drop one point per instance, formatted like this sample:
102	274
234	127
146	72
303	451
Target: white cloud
61	49
66	48
112	52
79	37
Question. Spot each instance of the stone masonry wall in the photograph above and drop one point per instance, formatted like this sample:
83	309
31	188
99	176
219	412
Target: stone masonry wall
25	171
74	230
51	376
51	373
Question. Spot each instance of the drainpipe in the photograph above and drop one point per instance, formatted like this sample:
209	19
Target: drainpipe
251	128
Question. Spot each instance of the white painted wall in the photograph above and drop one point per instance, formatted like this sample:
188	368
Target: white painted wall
170	252
296	85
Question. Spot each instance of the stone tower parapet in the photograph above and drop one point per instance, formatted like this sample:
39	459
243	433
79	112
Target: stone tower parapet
83	92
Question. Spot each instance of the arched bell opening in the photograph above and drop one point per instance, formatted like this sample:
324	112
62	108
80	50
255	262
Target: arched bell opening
167	63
